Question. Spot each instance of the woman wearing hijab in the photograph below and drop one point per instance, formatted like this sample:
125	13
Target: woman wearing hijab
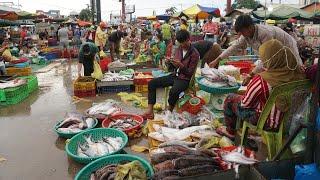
280	67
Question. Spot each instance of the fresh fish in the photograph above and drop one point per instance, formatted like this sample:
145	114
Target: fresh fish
108	107
69	130
161	157
157	136
177	142
205	133
123	124
166	165
92	148
68	122
90	122
162	174
104	172
197	170
174	148
192	160
238	158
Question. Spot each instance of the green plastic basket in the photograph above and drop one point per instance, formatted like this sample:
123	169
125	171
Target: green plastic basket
222	90
14	95
72	145
32	83
84	173
70	135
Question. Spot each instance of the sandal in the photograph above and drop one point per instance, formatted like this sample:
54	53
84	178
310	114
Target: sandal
147	116
223	132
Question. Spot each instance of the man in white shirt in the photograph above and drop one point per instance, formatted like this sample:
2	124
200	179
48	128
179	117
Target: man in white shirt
254	36
64	40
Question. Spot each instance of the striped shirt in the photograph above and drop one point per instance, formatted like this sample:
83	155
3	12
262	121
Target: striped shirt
256	97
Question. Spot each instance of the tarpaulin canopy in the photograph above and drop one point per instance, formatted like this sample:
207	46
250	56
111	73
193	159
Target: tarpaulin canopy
151	18
179	15
26	15
201	11
12	16
282	12
83	23
164	17
22	15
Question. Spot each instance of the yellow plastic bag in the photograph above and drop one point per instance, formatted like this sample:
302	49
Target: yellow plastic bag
102	54
97	73
7	55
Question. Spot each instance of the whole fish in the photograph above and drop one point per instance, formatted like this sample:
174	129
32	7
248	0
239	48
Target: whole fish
161	157
166	165
174	149
237	157
177	142
104	172
90	122
162	174
68	122
192	160
197	170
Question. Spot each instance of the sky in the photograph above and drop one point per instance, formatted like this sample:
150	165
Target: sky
143	7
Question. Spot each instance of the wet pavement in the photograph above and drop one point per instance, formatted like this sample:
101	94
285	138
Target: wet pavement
27	139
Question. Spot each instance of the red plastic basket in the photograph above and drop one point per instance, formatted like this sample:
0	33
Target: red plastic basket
139	119
142	81
85	93
193	109
244	65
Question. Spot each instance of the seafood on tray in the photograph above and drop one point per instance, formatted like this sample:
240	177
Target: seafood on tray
114	77
123	124
109	107
124	171
94	148
74	123
217	77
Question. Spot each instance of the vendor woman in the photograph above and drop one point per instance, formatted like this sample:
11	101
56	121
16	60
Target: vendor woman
185	64
281	67
87	54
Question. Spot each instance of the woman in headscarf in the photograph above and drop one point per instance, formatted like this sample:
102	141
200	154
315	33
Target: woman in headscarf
280	67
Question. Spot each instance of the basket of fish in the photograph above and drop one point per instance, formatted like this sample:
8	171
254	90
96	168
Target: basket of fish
73	124
216	88
127	123
119	166
93	144
104	109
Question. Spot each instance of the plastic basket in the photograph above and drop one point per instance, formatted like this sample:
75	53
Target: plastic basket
32	83
14	95
142	81
22	65
70	135
141	88
96	134
222	90
85	93
114	89
139	119
244	66
84	173
84	83
19	71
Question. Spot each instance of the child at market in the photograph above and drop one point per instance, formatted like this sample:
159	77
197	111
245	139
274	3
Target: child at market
281	67
159	49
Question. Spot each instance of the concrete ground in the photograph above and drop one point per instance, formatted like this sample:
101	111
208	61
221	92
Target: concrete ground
27	140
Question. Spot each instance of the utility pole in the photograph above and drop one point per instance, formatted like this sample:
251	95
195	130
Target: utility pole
123	5
98	11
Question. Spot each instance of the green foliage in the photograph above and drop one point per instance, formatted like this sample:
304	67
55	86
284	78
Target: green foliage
249	4
85	15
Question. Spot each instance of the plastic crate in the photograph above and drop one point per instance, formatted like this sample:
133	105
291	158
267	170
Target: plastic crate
141	88
244	66
85	93
19	71
142	81
114	89
32	83
84	83
14	95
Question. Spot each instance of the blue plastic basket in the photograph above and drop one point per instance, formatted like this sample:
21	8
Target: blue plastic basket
114	89
222	90
70	135
85	172
22	65
99	133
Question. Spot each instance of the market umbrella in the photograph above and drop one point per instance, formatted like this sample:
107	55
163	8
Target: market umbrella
179	15
164	17
201	11
151	18
25	15
12	16
282	12
83	23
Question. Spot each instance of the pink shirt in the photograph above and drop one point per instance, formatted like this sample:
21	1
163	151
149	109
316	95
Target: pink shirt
211	27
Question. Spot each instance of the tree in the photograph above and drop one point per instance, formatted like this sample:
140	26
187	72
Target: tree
249	4
85	15
171	11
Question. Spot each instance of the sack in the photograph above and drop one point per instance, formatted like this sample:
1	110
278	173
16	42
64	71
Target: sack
97	73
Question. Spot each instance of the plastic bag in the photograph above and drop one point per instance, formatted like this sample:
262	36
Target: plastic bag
97	73
307	172
102	54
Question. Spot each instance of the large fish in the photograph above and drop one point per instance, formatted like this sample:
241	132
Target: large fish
197	170
192	160
238	158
